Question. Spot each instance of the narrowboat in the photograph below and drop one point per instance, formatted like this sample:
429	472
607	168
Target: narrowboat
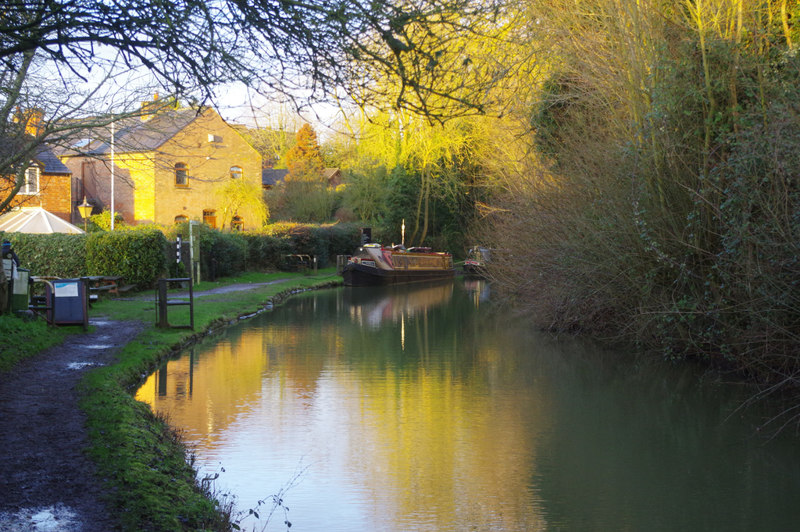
475	263
374	265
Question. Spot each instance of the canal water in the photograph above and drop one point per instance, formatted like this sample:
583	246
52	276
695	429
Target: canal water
433	408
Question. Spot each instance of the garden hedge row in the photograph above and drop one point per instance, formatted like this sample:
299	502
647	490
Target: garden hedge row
137	255
58	255
225	254
143	254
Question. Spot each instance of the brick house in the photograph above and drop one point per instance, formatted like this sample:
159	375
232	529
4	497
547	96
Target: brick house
48	184
171	166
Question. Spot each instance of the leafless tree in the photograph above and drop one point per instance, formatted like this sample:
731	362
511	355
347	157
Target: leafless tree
66	60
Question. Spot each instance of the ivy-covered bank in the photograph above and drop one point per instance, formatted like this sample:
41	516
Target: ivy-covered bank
151	484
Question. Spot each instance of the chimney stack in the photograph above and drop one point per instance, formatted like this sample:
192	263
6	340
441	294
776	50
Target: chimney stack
33	119
149	108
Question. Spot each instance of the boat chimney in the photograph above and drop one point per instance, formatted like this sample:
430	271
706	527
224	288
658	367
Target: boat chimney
366	235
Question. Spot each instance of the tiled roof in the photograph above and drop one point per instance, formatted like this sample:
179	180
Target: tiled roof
135	135
330	172
271	176
42	153
52	164
130	134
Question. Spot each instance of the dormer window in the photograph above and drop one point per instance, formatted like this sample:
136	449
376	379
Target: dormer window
181	175
236	172
81	143
31	183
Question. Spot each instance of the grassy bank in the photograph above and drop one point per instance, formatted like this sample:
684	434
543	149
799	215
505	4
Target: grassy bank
150	485
22	339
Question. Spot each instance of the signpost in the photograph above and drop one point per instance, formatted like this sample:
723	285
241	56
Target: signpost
194	253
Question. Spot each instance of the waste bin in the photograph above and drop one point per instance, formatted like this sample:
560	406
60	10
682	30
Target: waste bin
69	302
20	292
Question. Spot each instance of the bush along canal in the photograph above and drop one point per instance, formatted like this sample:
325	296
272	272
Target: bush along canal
140	476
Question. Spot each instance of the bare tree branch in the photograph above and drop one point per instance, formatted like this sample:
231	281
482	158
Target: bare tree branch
66	58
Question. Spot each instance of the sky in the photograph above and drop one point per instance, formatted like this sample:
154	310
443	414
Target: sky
238	105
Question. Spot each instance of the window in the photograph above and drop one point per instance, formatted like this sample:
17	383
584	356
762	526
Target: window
210	218
237	224
181	175
31	183
236	172
181	218
216	139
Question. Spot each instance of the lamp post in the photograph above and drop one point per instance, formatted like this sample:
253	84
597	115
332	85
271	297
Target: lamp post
112	175
85	209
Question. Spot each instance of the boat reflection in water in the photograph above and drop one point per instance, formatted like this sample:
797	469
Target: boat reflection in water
377	306
478	288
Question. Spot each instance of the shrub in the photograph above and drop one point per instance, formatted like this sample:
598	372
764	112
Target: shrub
58	255
266	252
324	242
343	239
221	254
137	255
309	240
102	221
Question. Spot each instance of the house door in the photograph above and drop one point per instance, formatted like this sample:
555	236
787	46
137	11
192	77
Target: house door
210	218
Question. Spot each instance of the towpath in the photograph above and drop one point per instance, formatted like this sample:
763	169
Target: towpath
48	482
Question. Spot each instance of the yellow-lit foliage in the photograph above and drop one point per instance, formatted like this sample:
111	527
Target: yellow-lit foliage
467	63
399	139
304	160
238	197
656	182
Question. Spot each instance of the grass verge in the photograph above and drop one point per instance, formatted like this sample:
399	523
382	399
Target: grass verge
23	338
150	484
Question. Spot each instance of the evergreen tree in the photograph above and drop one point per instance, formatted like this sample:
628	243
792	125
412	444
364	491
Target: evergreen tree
304	159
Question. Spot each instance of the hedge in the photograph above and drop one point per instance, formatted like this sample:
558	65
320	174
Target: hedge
221	254
137	255
266	252
225	254
56	255
321	241
140	254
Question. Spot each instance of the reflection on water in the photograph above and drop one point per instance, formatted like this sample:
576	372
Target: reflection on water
371	308
425	408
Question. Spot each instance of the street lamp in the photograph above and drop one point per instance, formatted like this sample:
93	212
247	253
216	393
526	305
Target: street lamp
85	209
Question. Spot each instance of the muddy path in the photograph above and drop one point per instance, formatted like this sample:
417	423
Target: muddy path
48	481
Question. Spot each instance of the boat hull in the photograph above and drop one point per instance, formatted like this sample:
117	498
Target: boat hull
474	270
361	275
